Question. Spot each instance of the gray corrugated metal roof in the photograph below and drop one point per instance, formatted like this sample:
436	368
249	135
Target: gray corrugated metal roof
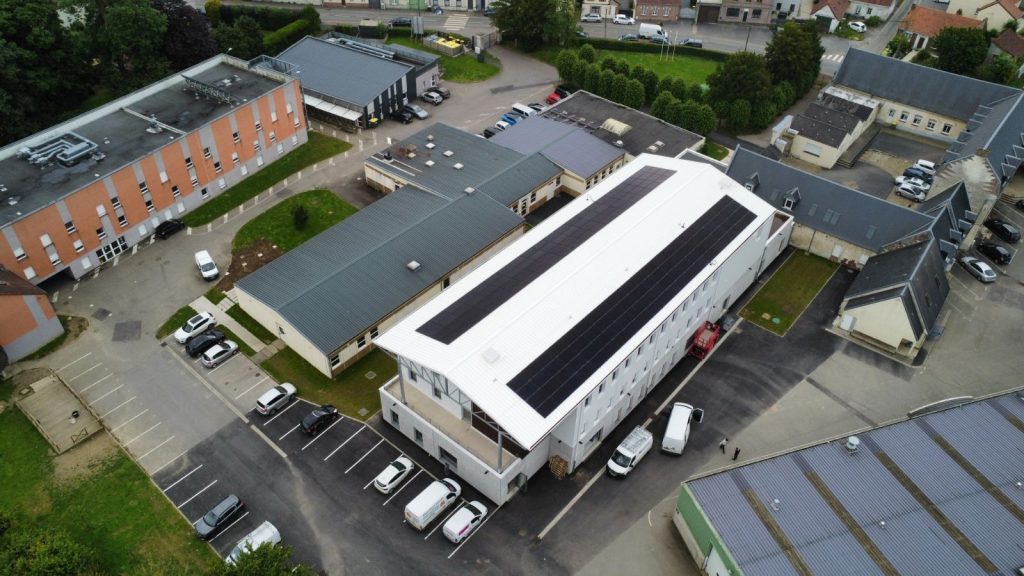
568	146
819	130
480	159
1000	131
910	539
919	86
340	283
586	109
520	179
845	213
341	72
413	56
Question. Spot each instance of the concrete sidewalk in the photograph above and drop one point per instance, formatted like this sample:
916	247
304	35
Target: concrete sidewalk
201	304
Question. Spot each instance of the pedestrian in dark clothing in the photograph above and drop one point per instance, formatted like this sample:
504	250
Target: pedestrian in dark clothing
721	445
736	453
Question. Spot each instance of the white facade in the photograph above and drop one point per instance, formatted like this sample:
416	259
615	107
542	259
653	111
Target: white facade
442	390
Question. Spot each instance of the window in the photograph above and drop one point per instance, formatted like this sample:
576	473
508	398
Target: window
361	341
287	108
101	233
116	202
259	126
188	163
446	283
19	254
931	124
121	220
206	153
627	362
394	418
79	246
917	120
195	182
586	402
412	376
756	13
374	333
597	435
204	193
163	177
732	12
947	128
812	149
273	136
437	392
892	112
55	259
447	458
904	115
256	145
664	11
643	10
533	197
30	273
217	168
418	436
235	137
143	187
175	192
335	360
149	205
273	116
234	158
615	374
869	11
600	388
70	227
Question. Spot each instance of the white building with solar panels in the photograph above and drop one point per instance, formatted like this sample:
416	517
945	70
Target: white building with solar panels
538	354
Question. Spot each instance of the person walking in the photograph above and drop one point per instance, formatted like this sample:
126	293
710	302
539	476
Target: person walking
721	445
736	453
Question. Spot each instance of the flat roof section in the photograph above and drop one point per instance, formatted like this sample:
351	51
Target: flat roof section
341	72
577	355
123	134
468	310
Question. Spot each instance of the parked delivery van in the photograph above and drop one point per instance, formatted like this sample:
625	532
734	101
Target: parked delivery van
430	503
678	430
630	452
648	31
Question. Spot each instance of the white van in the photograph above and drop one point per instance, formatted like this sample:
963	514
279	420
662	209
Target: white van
523	109
648	31
678	430
429	504
207	267
265	533
926	166
630	452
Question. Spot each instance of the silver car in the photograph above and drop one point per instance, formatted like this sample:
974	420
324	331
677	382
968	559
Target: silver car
219	354
909	192
980	270
276	398
432	97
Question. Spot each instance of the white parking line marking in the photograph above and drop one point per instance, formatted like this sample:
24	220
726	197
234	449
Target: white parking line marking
70	380
345	442
123	424
194	470
441	523
409	481
218	367
141	435
287	433
251	387
107	394
118	406
364	455
196	494
68	365
478	529
318	436
278	415
155	448
169	462
83	390
269	442
313	404
228	527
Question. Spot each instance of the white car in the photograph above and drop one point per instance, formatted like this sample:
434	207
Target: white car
595	18
917	183
502	125
219	354
276	398
195	326
623	19
463	522
393	475
980	270
858	27
910	193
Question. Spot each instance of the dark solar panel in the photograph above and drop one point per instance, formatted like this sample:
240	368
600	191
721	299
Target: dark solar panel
476	304
563	367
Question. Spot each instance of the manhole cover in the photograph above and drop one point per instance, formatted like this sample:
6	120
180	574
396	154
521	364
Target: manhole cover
101	314
363	412
125	331
371	375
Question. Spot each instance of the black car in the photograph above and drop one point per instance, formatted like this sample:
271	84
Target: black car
999	254
400	22
488	133
402	116
442	91
203	342
219	517
692	42
1006	231
914	172
562	92
169	227
319	419
629	38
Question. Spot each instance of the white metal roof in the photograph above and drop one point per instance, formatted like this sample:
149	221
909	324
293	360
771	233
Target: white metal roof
487	356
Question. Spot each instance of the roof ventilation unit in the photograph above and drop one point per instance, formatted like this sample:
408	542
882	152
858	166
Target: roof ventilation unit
457	166
13	199
469	190
652	148
413	265
430	137
430	145
619	144
448	153
429	162
852	445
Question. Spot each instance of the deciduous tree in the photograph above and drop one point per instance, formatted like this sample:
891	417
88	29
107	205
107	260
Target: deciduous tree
794	56
188	39
743	75
243	39
960	50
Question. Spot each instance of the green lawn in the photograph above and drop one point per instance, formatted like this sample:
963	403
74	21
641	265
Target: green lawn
113	509
785	296
214	296
276	226
250	324
175	321
692	69
349	391
463	69
318	148
716	151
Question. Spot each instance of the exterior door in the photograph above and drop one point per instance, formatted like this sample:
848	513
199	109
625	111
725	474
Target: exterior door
745	14
375	4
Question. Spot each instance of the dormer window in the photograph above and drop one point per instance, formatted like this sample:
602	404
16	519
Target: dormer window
791	199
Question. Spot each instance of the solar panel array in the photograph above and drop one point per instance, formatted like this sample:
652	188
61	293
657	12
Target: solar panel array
570	361
476	304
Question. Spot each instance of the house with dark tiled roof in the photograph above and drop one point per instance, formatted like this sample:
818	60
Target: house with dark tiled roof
922	24
828	126
1008	42
831	12
994	13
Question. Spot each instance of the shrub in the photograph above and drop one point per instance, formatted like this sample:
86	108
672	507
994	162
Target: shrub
607	44
739	114
587	53
283	37
873	21
300	217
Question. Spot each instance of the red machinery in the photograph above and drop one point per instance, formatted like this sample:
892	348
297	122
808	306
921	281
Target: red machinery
705	340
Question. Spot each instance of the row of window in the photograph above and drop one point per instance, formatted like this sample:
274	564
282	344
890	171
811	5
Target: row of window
735	12
602	175
654	10
916	120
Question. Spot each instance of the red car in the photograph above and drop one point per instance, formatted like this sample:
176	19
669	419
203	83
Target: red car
552	98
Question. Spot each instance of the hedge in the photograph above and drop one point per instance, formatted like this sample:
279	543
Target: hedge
619	46
278	40
268	18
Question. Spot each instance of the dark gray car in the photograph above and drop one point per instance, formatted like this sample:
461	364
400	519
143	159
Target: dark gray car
219	517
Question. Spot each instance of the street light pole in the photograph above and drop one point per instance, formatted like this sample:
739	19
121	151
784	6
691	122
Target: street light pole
748	39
